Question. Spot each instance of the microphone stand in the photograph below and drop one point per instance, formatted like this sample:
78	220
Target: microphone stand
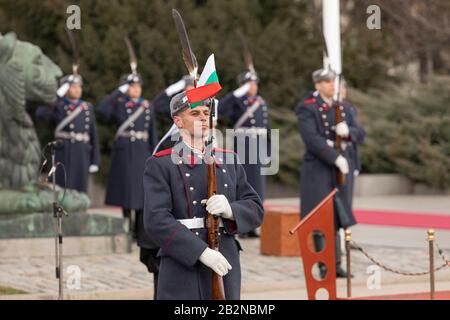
58	212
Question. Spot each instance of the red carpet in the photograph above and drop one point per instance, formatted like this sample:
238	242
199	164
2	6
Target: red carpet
440	295
388	218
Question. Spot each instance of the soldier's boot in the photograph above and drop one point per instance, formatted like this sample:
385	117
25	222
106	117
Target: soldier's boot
340	272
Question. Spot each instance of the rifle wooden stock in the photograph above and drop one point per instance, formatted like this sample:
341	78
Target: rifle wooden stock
338	118
218	291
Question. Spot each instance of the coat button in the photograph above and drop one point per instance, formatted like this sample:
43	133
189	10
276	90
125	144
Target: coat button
194	202
343	114
131	124
224	170
225	185
191	188
324	116
71	126
147	118
133	139
187	174
147	110
320	109
252	121
180	161
87	113
327	132
326	124
341	108
197	233
86	127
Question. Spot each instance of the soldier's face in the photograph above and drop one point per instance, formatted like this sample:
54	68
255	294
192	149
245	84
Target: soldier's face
253	91
193	121
134	91
326	88
74	92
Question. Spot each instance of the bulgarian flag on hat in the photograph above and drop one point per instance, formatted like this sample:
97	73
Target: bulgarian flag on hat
208	85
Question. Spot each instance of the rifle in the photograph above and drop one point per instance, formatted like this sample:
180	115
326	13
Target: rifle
337	108
218	292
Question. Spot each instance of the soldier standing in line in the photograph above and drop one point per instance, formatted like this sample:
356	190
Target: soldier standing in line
247	112
134	141
76	136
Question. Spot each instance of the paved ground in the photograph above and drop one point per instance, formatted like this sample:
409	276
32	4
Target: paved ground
122	276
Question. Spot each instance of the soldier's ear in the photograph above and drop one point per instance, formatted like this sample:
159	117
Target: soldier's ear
178	122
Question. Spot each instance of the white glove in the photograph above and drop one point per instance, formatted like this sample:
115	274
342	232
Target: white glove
93	168
61	92
342	164
218	205
242	91
124	88
342	129
216	261
176	87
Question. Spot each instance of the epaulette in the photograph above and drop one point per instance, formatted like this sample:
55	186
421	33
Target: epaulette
163	153
309	101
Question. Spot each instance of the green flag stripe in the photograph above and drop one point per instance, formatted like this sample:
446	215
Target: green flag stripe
212	78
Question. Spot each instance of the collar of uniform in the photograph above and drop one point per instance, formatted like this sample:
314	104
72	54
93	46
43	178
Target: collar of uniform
322	103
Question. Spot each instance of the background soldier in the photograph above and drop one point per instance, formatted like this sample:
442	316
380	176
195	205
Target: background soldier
76	134
134	142
316	117
175	183
246	112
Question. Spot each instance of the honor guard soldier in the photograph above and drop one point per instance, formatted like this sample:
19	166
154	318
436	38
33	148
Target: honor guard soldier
176	184
316	117
247	113
76	136
135	138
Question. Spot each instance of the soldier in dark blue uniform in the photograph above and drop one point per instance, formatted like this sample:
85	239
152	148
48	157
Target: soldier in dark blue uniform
316	118
75	132
175	184
247	113
135	139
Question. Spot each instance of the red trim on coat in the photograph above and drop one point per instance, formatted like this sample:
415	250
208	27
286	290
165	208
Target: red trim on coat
163	153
